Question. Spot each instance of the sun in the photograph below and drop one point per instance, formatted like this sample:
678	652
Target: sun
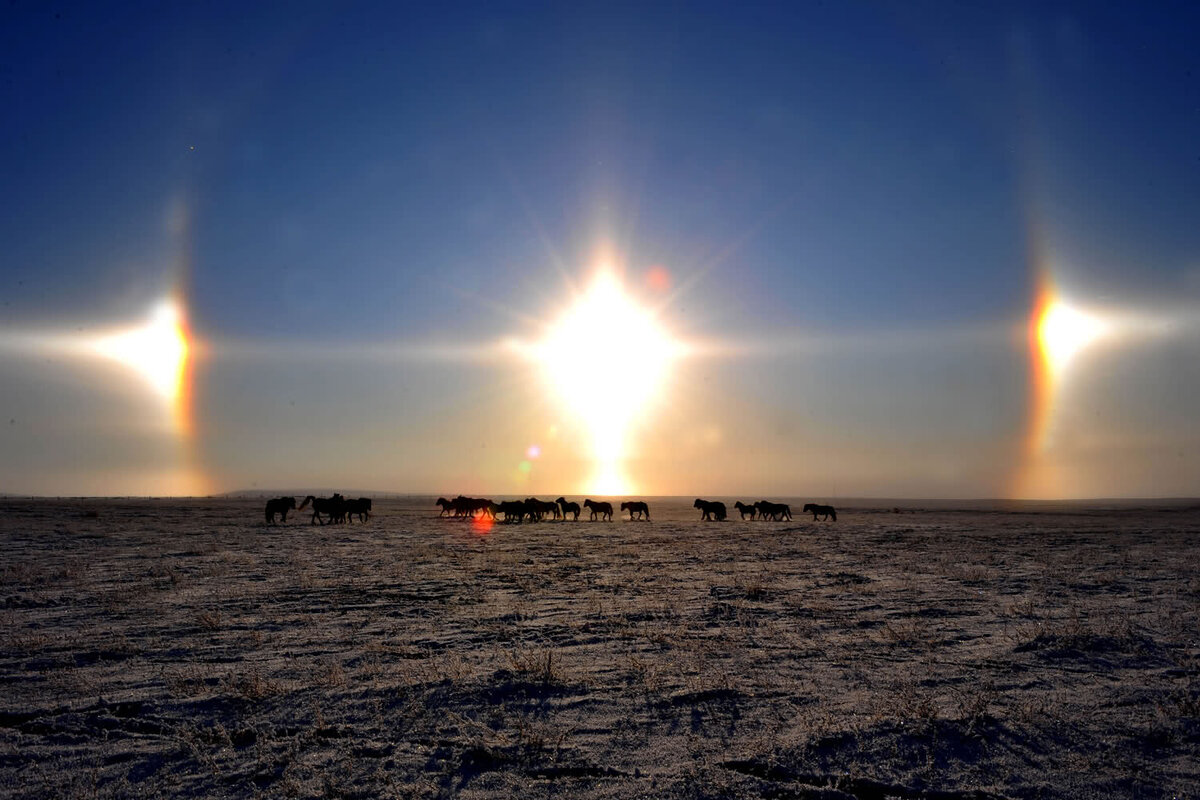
620	358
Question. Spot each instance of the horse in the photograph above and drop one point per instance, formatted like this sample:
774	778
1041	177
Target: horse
566	506
744	509
514	510
827	511
447	506
334	507
361	506
279	505
638	506
710	509
541	508
773	510
603	508
470	506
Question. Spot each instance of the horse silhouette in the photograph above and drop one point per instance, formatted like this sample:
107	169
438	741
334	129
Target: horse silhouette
470	506
361	507
333	507
710	509
567	506
744	509
827	511
279	505
773	510
636	506
514	511
603	508
462	506
540	508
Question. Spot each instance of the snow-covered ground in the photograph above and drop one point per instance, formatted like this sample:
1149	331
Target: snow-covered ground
155	648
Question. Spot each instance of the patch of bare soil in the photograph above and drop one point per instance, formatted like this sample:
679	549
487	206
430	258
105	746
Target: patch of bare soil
187	650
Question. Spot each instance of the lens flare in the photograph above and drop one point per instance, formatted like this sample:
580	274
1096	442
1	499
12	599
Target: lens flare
658	278
624	357
482	524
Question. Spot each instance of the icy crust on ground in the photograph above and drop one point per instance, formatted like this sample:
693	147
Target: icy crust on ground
184	649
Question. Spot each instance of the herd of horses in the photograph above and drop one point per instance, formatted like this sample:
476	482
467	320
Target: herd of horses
763	509
534	510
336	509
516	511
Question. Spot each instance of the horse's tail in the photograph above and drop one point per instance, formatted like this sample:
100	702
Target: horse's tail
305	503
833	514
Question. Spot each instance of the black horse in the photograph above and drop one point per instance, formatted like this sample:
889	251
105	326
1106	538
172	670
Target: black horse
333	507
827	511
361	507
773	510
541	508
568	506
744	509
710	509
514	510
637	506
279	505
603	508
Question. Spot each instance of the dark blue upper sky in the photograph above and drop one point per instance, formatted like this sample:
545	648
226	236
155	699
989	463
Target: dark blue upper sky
393	172
872	153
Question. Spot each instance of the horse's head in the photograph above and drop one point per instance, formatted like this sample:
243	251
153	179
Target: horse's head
443	502
698	504
561	500
809	506
289	502
625	506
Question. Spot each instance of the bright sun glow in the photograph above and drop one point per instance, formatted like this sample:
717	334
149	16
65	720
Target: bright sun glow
1063	332
620	357
158	350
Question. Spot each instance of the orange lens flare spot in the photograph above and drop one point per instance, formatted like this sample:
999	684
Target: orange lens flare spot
482	525
658	278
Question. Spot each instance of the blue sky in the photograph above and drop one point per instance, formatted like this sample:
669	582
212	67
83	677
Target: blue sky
847	192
